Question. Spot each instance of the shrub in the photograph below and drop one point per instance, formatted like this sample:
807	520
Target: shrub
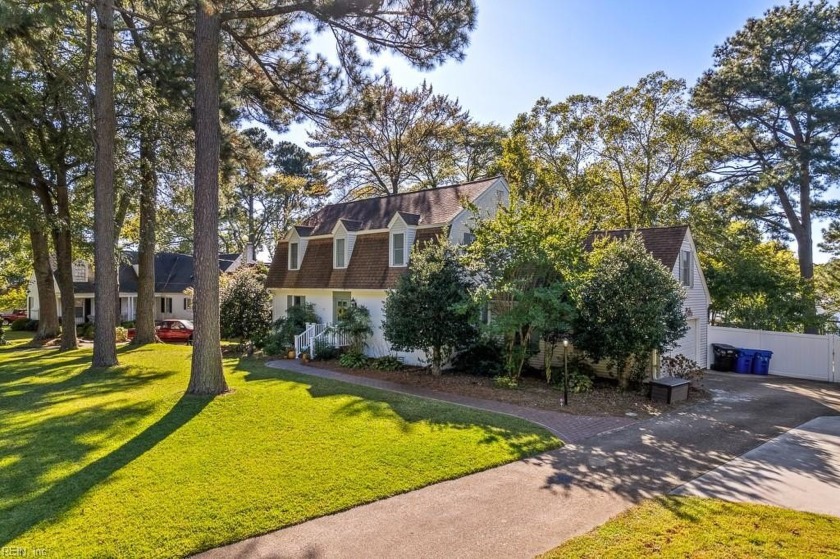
353	360
629	306
681	366
325	351
483	358
355	323
504	381
245	305
431	308
19	325
86	330
122	334
581	376
387	363
128	324
31	326
282	337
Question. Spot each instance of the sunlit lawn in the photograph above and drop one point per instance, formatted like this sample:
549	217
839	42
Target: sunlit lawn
690	527
118	463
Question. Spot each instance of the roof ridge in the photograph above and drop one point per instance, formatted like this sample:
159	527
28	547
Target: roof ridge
485	179
641	228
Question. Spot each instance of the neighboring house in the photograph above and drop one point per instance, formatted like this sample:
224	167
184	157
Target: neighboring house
351	253
674	247
173	275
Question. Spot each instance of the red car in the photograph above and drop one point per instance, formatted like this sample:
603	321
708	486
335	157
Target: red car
171	330
10	317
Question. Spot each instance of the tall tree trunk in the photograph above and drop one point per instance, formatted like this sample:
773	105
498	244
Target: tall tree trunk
63	243
145	318
45	285
206	375
805	245
104	224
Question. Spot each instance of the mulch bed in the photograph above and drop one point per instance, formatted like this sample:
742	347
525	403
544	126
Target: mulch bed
605	400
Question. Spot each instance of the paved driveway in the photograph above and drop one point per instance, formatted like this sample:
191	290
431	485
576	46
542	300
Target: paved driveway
799	470
528	507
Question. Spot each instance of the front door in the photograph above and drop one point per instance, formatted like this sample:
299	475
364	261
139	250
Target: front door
341	302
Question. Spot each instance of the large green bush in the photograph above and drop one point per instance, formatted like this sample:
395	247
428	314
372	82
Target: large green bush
245	305
282	336
629	306
431	309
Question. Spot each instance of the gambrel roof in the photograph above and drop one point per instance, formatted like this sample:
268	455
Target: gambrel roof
662	242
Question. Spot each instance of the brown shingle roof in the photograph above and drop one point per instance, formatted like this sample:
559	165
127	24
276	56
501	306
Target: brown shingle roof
368	267
662	242
432	206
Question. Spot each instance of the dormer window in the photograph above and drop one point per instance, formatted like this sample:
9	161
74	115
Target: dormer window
80	272
398	249
293	256
340	253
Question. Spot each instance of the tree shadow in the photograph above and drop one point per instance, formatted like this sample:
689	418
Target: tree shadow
33	457
43	378
406	411
656	456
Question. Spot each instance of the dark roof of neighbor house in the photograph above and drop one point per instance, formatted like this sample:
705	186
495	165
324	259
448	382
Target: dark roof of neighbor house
226	261
173	273
424	207
663	243
367	269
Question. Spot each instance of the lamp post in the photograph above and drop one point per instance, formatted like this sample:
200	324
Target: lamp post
565	373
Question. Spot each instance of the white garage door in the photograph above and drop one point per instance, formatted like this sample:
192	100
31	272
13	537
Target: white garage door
688	344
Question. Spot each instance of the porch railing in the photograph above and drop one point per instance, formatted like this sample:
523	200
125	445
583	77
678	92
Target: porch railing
303	341
319	335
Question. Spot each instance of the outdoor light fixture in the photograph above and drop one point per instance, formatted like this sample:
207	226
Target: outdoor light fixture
353	303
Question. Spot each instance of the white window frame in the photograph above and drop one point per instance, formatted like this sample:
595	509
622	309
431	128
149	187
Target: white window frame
188	303
393	246
290	301
686	268
296	266
80	271
342	253
166	305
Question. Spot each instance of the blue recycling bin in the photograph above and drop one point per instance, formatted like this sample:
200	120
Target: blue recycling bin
761	362
744	361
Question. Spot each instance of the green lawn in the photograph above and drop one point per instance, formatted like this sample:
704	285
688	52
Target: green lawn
118	463
690	527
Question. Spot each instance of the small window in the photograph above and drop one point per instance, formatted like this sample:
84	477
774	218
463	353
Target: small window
79	271
339	252
398	249
295	301
686	269
293	256
166	305
187	303
469	238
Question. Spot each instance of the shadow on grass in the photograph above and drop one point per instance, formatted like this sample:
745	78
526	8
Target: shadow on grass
521	436
28	509
38	378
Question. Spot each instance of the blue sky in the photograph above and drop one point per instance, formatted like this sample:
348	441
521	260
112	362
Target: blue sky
522	50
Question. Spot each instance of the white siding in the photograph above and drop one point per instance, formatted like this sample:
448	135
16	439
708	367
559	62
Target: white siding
322	301
696	307
487	204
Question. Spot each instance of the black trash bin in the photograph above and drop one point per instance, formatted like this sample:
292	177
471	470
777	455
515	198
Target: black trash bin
725	356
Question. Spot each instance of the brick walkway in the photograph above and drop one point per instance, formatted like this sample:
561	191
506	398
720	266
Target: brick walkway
569	428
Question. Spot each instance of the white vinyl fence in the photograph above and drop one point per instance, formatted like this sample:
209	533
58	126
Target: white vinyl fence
805	356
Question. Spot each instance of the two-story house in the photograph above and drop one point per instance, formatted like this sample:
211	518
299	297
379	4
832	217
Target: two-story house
173	275
351	253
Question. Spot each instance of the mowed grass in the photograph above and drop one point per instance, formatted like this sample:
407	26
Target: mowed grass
691	527
119	463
